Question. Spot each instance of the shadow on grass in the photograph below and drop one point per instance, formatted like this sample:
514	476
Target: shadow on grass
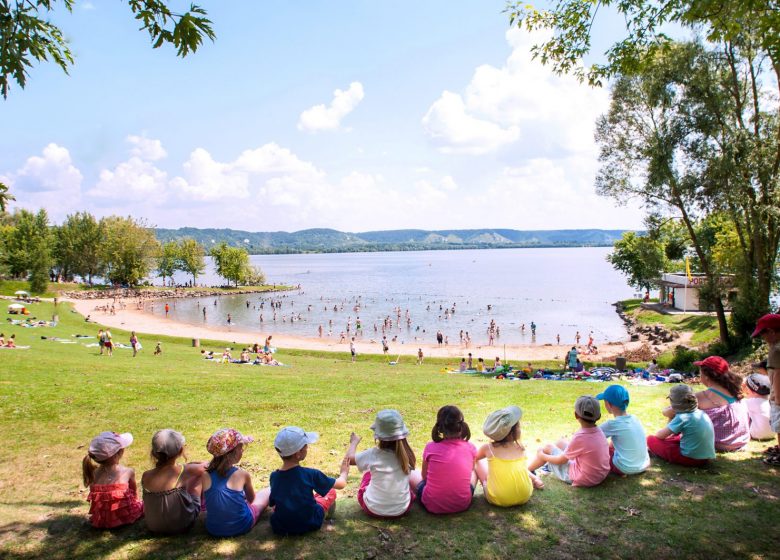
669	510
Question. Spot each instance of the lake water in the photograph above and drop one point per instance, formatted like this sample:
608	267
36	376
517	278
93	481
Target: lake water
561	290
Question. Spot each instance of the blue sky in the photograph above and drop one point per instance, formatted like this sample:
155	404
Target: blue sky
355	115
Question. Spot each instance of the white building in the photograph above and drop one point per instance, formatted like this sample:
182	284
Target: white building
680	292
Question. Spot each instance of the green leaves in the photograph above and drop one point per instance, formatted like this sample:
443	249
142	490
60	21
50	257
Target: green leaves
27	37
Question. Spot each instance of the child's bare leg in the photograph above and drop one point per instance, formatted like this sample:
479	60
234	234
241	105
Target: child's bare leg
261	499
474	478
415	478
536	461
536	481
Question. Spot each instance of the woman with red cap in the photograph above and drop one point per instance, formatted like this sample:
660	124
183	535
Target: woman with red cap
722	402
768	329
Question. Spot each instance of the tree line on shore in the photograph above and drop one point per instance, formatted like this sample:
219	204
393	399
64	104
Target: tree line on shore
117	250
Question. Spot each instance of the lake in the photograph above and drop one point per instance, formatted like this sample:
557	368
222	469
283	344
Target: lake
561	290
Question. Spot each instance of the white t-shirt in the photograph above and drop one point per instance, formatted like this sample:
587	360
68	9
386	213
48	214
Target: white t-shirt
388	492
758	410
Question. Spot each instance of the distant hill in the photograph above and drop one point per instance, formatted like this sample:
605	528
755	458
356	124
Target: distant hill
333	241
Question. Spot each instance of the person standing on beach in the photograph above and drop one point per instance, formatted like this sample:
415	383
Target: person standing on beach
577	338
229	319
167	309
419	356
385	347
352	349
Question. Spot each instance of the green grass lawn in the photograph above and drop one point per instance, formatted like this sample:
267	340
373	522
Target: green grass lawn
703	327
55	397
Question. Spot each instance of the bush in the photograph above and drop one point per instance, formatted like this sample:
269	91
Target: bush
683	359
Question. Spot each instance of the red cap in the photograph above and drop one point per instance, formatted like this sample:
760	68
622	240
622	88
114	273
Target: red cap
770	321
714	363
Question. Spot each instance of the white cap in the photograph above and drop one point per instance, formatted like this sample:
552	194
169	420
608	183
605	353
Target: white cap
292	439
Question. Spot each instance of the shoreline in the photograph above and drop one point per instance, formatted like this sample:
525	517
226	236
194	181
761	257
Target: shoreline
132	319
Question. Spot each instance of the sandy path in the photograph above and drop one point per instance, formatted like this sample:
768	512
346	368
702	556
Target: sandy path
141	322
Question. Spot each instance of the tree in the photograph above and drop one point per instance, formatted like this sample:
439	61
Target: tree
191	258
128	250
27	36
168	260
232	263
27	252
735	103
78	246
641	258
651	149
5	197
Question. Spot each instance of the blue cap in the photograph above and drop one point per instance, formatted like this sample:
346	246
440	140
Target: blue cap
616	395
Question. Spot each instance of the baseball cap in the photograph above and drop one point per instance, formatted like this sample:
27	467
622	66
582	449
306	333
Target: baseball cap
715	364
769	321
498	424
167	442
292	439
587	408
108	444
616	395
682	398
758	383
226	440
389	426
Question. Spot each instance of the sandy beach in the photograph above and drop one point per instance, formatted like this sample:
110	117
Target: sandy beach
142	322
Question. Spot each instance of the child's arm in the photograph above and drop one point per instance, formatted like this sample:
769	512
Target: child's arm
554	459
341	481
131	482
669	412
249	490
663	433
481	453
424	469
354	440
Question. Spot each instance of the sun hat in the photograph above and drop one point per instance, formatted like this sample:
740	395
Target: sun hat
769	321
498	424
292	439
226	440
616	395
682	398
758	383
167	442
587	408
108	444
389	426
715	364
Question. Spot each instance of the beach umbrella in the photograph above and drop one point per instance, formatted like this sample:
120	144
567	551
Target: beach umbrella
21	293
16	306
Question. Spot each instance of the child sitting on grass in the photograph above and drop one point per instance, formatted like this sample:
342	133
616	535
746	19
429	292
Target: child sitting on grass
171	492
501	465
232	505
302	497
757	400
112	491
628	450
583	461
689	438
448	465
387	487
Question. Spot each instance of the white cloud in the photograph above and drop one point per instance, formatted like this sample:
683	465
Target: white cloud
454	130
50	181
523	100
146	148
322	117
132	178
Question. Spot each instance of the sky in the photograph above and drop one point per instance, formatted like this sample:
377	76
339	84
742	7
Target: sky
355	115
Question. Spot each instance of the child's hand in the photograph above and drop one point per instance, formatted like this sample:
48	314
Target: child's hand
354	439
345	467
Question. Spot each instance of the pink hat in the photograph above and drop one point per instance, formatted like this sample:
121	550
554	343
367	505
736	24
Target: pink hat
108	444
770	321
715	364
226	440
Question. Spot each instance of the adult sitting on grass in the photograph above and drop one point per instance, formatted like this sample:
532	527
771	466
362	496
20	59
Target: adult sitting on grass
722	402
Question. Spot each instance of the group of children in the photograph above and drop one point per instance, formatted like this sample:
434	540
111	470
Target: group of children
174	495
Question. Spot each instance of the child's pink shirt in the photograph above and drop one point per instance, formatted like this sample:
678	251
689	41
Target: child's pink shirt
448	478
588	455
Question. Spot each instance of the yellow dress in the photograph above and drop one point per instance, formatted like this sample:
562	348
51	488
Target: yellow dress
509	482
